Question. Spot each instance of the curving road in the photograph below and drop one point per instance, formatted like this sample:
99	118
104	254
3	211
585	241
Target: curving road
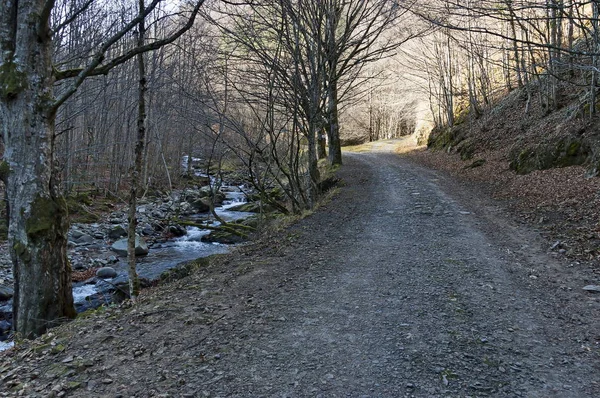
405	285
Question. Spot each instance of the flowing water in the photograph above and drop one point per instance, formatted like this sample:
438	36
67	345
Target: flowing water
162	257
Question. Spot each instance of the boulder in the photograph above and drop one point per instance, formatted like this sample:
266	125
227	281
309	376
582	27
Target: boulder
224	237
218	197
177	230
6	293
120	247
200	206
147	229
76	234
116	232
85	238
106	273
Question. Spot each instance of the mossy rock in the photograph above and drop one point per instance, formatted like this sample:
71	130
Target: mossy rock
187	268
445	138
563	153
250	207
466	149
254	207
224	237
76	203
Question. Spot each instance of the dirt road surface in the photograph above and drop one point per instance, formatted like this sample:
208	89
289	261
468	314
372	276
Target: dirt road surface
405	285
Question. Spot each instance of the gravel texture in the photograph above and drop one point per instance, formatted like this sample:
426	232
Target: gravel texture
404	285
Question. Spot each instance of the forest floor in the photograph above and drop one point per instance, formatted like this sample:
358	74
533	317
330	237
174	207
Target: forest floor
410	283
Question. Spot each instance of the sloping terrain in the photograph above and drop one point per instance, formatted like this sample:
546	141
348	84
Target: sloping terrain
407	284
542	165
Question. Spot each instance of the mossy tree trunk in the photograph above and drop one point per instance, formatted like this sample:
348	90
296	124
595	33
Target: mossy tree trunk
38	220
134	281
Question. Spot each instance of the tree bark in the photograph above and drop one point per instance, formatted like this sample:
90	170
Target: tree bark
134	281
38	220
335	148
322	141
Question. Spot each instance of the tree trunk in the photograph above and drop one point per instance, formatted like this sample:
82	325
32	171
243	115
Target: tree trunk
134	281
333	133
322	141
38	220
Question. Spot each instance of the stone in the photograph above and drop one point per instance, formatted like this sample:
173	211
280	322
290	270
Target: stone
159	214
200	206
76	234
120	247
106	273
177	230
147	229
78	266
224	237
6	293
251	207
116	232
592	288
85	238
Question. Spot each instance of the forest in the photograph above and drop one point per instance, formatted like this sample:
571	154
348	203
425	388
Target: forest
115	100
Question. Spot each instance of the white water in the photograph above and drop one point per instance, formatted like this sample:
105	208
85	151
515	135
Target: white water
169	255
5	346
80	293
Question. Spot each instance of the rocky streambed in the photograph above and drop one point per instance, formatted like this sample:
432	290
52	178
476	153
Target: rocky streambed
98	250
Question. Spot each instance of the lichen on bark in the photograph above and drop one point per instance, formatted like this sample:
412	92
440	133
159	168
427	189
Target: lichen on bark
44	214
12	80
22	252
4	171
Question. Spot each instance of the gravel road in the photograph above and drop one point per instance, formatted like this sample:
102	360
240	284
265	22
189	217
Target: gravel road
405	285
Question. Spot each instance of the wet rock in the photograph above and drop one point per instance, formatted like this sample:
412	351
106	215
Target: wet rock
116	232
185	207
106	273
6	293
177	230
120	247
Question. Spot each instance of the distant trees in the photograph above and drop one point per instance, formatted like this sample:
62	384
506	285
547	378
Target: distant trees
541	46
292	63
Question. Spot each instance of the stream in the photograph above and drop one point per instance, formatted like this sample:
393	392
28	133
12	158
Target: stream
161	257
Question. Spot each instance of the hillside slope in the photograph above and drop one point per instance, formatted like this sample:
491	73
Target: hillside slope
543	165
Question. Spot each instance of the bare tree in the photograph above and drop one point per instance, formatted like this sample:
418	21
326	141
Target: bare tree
38	222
